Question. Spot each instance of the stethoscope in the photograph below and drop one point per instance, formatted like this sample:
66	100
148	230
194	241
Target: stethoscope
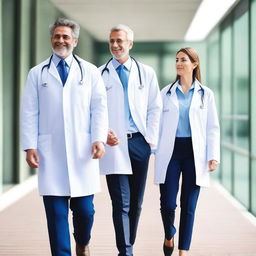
49	64
202	94
138	67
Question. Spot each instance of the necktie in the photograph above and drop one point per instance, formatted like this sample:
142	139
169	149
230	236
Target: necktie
124	80
123	76
63	71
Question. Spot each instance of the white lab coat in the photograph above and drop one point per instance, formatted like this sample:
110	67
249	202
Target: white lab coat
204	128
62	123
145	105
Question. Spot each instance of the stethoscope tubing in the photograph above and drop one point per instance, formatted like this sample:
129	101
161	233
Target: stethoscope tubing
202	95
49	64
137	64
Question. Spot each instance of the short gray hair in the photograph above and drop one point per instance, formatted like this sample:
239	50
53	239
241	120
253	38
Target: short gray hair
67	23
129	32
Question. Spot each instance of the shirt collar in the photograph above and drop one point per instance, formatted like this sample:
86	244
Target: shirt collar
191	88
127	64
56	59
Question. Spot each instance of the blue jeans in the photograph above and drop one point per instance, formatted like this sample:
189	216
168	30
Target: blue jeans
56	208
182	162
126	192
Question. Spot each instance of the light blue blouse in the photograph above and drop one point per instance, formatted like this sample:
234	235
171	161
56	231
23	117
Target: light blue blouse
184	129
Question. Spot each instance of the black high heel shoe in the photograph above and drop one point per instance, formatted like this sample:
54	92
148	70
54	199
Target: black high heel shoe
168	250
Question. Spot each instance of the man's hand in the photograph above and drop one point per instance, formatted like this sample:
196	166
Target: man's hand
212	165
32	158
98	150
112	139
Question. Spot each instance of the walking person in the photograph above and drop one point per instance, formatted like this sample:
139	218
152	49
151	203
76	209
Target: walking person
134	108
63	126
188	146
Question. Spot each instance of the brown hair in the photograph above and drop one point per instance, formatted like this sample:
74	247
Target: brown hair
193	56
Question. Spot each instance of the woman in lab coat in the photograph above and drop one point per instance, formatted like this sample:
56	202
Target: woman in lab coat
189	145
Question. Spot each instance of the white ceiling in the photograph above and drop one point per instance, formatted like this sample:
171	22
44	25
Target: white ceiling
151	20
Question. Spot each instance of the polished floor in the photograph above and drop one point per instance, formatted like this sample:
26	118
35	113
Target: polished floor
222	228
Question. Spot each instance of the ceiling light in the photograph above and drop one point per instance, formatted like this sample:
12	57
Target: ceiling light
209	13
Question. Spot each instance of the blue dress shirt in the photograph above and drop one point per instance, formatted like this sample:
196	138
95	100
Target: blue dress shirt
130	125
184	129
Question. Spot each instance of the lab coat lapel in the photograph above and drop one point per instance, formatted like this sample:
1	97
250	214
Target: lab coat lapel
114	75
54	72
173	97
196	99
74	70
134	76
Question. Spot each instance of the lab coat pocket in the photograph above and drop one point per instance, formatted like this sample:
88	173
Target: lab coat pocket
44	143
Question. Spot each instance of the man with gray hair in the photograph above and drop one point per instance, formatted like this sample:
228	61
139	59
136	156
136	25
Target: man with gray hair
134	107
63	126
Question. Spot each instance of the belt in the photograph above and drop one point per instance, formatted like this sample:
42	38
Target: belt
133	135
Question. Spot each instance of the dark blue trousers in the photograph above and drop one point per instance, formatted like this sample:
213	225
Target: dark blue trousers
182	162
126	192
57	208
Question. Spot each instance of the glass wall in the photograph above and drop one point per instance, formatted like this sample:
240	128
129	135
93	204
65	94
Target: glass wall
252	177
226	107
9	42
213	59
1	107
235	55
241	103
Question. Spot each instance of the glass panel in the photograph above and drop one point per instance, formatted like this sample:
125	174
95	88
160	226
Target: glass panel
213	65
253	106
241	108
241	177
241	82
226	72
241	134
9	103
253	188
226	166
226	107
213	75
226	128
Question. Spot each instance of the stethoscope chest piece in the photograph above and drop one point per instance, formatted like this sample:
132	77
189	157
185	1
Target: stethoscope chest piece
141	86
108	87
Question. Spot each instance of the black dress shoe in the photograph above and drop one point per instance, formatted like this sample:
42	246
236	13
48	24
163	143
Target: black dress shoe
82	250
168	250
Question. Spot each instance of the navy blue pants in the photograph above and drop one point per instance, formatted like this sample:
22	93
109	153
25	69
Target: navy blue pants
182	162
57	208
126	192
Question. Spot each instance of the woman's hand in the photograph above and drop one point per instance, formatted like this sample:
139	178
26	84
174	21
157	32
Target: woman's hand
213	164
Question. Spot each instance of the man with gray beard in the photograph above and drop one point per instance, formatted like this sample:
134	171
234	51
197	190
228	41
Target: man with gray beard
63	126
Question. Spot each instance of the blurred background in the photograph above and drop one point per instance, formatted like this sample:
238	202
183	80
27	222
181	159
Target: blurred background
222	31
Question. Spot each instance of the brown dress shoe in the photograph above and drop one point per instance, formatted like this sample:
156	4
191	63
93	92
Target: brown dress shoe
82	250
